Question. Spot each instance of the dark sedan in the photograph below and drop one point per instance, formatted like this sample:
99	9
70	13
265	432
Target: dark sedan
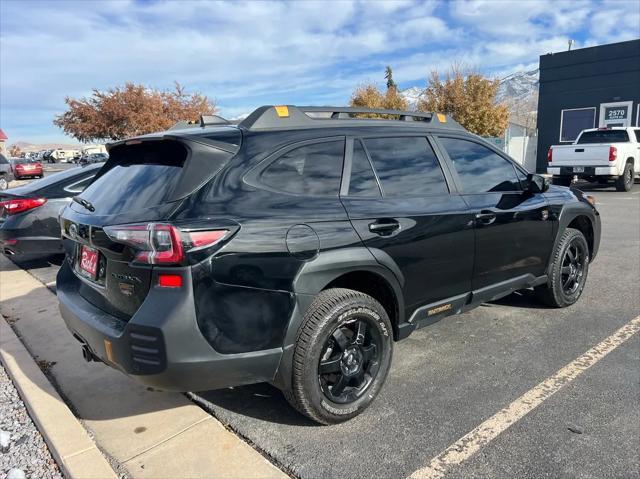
29	213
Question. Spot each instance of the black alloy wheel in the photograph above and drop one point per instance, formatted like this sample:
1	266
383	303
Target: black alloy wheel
567	273
341	357
573	266
349	362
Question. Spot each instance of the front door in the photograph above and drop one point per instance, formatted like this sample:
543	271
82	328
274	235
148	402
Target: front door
405	211
513	231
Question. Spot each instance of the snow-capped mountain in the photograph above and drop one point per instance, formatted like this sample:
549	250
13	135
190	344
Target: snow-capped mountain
518	86
518	90
412	95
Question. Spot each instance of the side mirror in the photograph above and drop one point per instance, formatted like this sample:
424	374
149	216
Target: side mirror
537	183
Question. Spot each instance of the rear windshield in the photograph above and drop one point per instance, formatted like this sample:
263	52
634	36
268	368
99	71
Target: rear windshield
137	176
603	136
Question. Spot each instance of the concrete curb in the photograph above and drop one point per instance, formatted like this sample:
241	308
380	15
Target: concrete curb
69	443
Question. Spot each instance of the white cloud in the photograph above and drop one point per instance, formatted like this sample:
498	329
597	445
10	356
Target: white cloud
246	53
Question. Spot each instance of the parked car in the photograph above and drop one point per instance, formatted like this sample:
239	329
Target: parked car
46	156
26	168
94	158
29	213
598	154
6	172
297	246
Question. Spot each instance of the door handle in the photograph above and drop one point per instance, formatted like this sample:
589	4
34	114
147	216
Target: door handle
486	217
383	227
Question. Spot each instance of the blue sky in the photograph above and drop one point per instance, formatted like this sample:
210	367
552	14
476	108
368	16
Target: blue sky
245	54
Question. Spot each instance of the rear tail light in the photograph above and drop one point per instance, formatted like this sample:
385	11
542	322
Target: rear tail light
550	155
613	153
159	243
20	205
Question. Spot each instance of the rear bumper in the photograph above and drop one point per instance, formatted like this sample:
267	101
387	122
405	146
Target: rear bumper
161	346
27	174
588	171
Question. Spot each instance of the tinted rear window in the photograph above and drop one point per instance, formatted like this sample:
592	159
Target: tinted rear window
313	170
604	136
137	177
406	166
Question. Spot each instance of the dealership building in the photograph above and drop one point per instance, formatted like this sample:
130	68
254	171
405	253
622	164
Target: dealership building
586	88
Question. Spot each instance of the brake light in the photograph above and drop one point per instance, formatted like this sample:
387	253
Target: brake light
170	280
613	153
159	243
550	155
20	205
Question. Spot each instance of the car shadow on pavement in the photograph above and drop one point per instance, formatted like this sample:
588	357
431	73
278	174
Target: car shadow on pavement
34	261
260	401
524	298
597	187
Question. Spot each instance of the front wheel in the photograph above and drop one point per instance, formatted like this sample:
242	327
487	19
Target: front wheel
625	181
568	272
341	357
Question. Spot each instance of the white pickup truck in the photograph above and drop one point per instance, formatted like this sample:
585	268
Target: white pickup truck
598	154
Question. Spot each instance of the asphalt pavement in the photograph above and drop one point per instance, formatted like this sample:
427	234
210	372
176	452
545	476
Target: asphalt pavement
454	375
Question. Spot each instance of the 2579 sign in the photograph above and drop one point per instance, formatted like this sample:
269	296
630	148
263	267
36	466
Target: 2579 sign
616	113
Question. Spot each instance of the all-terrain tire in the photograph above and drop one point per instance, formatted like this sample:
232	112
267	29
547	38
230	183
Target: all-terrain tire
330	310
553	293
625	181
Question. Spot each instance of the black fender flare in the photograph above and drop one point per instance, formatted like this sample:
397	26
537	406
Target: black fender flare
567	214
315	275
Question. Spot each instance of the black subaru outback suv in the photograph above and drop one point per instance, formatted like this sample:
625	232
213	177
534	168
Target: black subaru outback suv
297	246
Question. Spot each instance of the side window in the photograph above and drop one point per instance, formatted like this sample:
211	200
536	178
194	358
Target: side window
3	160
313	170
479	168
363	181
406	166
78	186
637	132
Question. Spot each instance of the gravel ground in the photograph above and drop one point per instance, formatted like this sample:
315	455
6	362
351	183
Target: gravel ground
26	454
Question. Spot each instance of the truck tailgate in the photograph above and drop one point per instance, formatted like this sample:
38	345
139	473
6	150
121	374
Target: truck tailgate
581	155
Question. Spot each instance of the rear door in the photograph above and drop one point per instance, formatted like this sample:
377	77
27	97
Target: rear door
399	202
513	230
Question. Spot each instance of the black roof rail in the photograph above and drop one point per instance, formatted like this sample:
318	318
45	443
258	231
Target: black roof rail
289	116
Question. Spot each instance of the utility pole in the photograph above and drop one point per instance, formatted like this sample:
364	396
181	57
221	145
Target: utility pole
571	42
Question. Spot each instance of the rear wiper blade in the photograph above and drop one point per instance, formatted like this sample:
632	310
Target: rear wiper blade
84	203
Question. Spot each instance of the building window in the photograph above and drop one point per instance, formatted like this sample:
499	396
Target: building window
573	121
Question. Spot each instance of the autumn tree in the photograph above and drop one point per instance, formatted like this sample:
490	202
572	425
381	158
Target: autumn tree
469	98
369	96
15	151
130	110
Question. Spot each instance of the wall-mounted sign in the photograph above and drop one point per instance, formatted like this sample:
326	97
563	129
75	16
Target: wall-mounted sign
615	114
